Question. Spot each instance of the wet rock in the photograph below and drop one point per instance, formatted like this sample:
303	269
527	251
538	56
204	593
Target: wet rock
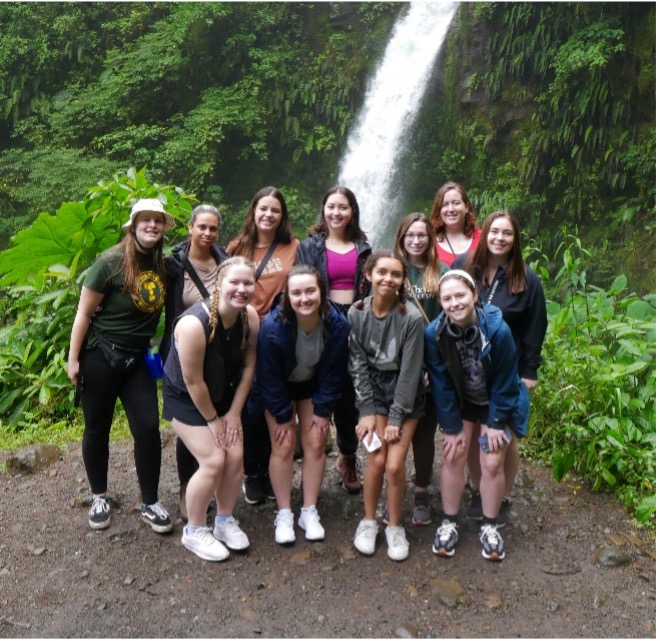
406	631
494	601
450	593
610	557
33	458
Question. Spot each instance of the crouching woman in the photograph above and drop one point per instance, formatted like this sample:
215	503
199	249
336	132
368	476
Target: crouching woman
207	377
472	364
301	366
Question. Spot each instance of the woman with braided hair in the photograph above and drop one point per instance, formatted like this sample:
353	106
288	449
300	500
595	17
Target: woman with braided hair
386	352
207	378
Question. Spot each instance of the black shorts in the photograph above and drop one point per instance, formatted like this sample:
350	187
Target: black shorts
383	384
299	390
179	405
474	413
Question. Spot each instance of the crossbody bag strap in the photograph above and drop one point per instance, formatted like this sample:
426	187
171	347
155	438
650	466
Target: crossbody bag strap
264	261
419	305
194	276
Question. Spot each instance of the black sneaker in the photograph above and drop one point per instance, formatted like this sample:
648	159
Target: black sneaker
253	488
503	516
157	517
492	545
268	488
99	513
475	510
422	509
446	538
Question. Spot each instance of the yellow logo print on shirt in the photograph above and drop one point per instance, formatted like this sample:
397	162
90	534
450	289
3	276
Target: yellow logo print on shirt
150	294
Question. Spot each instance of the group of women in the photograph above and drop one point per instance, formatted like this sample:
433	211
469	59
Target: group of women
268	342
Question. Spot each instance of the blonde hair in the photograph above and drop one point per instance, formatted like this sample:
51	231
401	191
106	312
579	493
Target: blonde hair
223	269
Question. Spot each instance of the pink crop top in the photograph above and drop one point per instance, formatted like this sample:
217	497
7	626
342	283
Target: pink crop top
341	269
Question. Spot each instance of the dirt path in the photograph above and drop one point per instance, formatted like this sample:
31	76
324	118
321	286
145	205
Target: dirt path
60	579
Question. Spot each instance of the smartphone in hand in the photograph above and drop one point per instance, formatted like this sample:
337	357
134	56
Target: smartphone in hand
483	440
375	442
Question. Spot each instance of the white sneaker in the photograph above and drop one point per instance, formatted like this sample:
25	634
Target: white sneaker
397	544
230	534
310	522
284	533
365	537
202	543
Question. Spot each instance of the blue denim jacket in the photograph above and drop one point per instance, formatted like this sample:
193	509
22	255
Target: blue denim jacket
508	397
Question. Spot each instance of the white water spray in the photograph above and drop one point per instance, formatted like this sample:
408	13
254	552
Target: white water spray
390	107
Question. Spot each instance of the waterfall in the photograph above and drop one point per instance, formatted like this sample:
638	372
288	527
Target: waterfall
390	107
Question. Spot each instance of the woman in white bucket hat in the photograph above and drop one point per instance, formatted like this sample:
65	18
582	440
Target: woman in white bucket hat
118	313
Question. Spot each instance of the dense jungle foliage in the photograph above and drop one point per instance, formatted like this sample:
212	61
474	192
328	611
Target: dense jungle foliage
547	109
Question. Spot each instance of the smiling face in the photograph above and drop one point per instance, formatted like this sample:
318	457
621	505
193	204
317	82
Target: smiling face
453	210
337	213
458	301
304	295
416	240
149	227
267	215
500	237
204	231
386	278
237	286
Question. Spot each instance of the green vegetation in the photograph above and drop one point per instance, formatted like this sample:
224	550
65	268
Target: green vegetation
594	410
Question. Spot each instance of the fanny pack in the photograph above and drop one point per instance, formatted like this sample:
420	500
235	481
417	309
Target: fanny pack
122	360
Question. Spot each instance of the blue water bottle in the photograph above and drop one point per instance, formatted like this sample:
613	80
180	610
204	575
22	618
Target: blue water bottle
154	363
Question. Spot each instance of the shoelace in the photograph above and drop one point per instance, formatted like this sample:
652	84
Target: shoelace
491	535
398	538
446	531
158	510
284	518
99	505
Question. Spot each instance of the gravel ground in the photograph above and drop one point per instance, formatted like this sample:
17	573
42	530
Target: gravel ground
575	567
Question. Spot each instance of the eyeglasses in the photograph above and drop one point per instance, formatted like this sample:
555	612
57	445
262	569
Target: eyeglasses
416	236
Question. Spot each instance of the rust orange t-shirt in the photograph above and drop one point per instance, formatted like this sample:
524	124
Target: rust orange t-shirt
273	277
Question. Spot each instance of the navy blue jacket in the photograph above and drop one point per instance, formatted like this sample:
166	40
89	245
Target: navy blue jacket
276	359
508	399
311	251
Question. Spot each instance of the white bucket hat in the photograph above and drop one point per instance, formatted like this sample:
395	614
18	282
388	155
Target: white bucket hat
149	204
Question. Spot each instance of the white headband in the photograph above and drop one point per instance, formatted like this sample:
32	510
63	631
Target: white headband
461	274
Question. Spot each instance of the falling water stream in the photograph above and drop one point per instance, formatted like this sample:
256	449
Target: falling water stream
391	104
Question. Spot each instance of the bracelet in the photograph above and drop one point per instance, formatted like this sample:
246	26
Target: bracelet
215	416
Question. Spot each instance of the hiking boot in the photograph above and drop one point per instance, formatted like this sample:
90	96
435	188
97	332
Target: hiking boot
284	533
422	509
253	488
347	468
202	543
269	493
228	532
310	522
99	513
503	515
397	544
157	517
492	545
365	537
475	510
446	538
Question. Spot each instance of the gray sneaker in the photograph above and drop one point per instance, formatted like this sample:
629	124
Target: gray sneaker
422	509
446	538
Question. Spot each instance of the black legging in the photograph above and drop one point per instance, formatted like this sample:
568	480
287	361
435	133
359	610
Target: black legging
423	444
101	387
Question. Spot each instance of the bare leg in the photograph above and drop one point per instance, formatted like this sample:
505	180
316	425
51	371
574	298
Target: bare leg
452	477
396	470
511	465
280	468
229	485
313	445
373	476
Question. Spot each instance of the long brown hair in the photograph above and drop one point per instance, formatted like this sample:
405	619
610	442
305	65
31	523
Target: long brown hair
214	315
353	229
430	257
470	216
247	240
130	265
287	313
477	261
